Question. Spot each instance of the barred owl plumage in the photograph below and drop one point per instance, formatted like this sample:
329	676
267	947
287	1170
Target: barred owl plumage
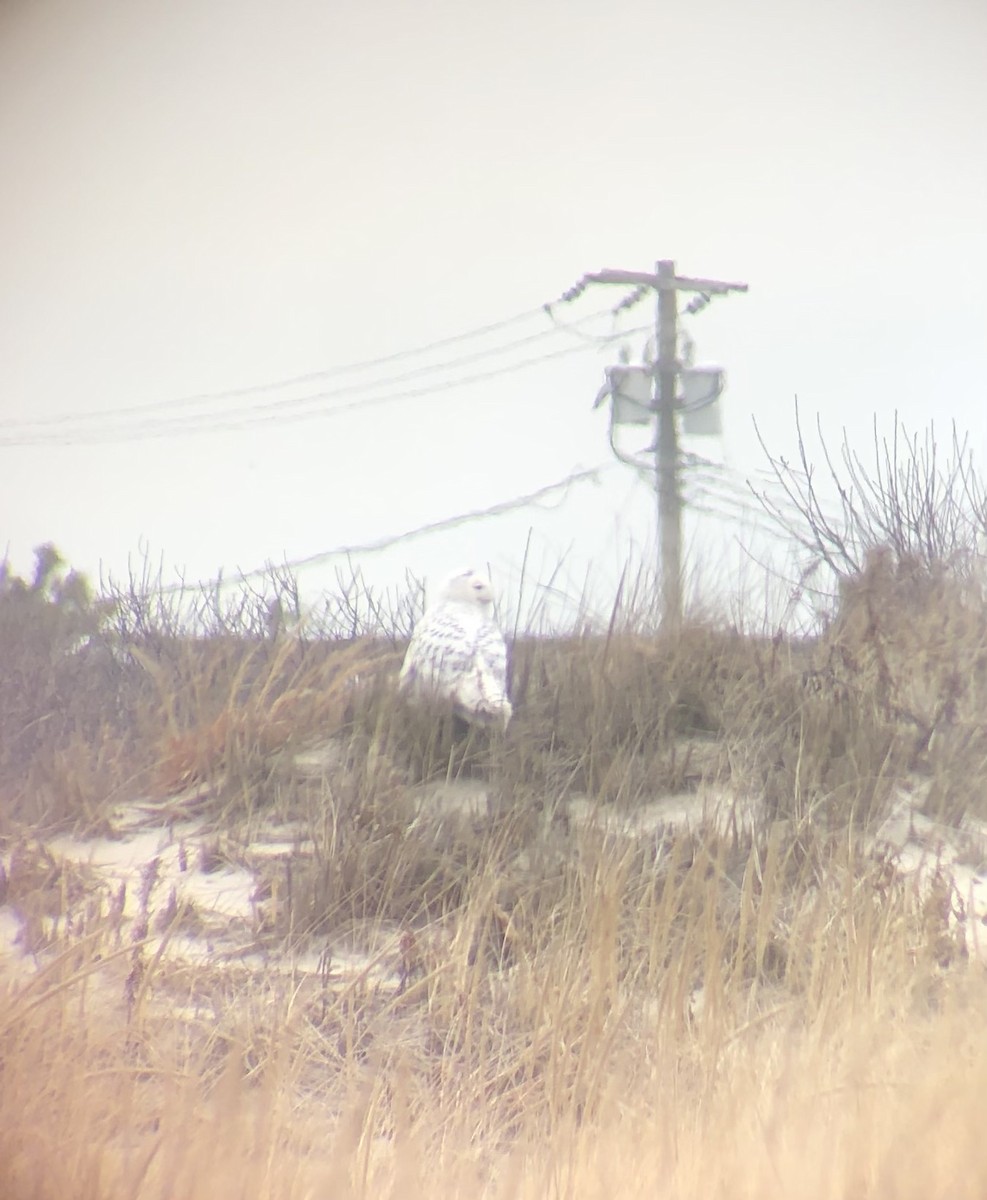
457	652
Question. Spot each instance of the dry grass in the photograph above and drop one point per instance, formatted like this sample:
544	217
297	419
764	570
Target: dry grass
765	1012
557	1050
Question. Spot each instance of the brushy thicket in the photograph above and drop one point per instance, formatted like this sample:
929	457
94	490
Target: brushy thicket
769	1010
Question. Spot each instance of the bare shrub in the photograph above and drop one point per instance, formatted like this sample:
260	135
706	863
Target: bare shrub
926	507
901	598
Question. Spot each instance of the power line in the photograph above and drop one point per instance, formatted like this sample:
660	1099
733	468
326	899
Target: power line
281	412
152	408
494	510
573	326
717	490
207	423
293	380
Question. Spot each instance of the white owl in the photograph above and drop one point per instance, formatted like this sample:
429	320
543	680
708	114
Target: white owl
458	653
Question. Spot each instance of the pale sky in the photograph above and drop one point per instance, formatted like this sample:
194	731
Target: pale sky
213	195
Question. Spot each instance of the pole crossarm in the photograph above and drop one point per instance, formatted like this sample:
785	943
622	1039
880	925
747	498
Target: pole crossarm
680	283
714	286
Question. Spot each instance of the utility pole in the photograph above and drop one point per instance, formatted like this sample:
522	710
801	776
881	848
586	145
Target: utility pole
666	447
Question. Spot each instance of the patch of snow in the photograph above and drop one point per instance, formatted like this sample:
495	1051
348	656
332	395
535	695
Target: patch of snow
927	851
458	797
683	812
321	760
260	851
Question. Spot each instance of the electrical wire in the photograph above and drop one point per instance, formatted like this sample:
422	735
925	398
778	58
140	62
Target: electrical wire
152	408
282	412
597	339
528	500
718	484
294	380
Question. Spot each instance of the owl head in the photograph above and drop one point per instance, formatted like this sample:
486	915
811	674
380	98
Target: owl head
468	587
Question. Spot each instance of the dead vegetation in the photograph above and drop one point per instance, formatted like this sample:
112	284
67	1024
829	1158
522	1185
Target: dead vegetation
508	1002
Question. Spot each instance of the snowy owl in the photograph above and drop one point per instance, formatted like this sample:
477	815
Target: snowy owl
458	653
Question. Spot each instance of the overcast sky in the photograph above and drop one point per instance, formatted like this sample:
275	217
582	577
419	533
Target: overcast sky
201	196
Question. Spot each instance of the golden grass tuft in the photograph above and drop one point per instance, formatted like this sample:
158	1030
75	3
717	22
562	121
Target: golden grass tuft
250	703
